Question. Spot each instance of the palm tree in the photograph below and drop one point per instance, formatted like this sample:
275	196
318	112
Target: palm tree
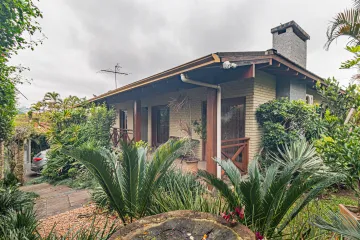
52	100
71	102
346	23
339	224
274	197
128	179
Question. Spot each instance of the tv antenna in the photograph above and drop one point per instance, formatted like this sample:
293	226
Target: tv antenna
115	71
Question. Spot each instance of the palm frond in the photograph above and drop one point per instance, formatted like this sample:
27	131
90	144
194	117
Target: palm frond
274	197
232	198
339	224
127	178
356	4
346	23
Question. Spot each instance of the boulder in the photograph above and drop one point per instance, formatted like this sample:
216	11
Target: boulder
183	224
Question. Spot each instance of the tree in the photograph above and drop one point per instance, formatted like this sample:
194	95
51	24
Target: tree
52	100
17	17
346	23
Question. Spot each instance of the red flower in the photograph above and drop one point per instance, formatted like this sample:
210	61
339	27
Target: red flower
259	236
226	216
240	212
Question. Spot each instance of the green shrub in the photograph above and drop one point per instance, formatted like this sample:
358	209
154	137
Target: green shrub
128	179
10	179
71	128
284	121
273	197
183	191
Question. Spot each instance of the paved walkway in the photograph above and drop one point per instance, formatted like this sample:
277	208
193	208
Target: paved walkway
56	199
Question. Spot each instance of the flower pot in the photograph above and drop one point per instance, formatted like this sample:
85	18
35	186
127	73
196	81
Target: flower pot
350	212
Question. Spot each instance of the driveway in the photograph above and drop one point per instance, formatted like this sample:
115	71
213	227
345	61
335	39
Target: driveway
53	200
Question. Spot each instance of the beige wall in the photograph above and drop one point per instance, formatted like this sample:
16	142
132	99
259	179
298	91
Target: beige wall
264	91
257	91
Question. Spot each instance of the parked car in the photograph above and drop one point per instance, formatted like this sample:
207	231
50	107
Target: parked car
39	161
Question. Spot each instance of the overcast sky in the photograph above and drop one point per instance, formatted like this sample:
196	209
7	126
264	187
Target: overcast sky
148	36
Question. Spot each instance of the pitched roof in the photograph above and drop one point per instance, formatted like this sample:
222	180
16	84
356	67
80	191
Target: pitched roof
270	59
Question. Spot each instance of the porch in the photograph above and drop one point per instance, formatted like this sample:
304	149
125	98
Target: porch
172	114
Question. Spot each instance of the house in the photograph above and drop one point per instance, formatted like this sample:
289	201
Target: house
223	85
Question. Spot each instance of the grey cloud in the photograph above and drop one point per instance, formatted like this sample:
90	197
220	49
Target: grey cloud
146	37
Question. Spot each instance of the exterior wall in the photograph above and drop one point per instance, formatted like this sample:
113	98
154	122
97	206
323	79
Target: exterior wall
294	89
291	46
264	91
256	91
186	115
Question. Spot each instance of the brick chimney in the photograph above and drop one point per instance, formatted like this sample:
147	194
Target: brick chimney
289	40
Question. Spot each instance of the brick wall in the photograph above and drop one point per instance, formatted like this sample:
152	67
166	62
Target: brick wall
264	91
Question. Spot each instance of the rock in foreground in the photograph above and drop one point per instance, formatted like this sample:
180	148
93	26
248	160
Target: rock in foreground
178	225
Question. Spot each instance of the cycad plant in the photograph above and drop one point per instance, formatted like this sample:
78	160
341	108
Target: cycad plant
337	223
183	191
273	197
128	179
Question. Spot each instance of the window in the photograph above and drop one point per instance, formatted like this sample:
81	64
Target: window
123	119
160	124
232	118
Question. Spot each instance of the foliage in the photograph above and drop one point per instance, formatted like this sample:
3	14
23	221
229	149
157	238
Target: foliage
91	232
16	18
346	23
283	121
9	180
339	224
274	197
182	191
341	151
200	128
7	103
71	128
335	100
356	59
128	179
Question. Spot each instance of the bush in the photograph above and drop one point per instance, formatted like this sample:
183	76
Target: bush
284	121
268	200
128	179
183	191
71	128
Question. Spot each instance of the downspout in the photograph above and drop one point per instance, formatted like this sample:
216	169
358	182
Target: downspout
218	115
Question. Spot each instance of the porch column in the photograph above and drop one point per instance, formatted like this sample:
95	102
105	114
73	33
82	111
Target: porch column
137	120
211	130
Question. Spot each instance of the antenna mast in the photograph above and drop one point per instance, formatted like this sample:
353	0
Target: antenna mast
115	71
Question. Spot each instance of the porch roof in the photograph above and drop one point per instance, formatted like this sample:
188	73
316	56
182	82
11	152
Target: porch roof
268	61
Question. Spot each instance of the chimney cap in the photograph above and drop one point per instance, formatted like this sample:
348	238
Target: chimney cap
296	28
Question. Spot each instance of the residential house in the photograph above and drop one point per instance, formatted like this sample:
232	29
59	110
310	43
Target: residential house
234	84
